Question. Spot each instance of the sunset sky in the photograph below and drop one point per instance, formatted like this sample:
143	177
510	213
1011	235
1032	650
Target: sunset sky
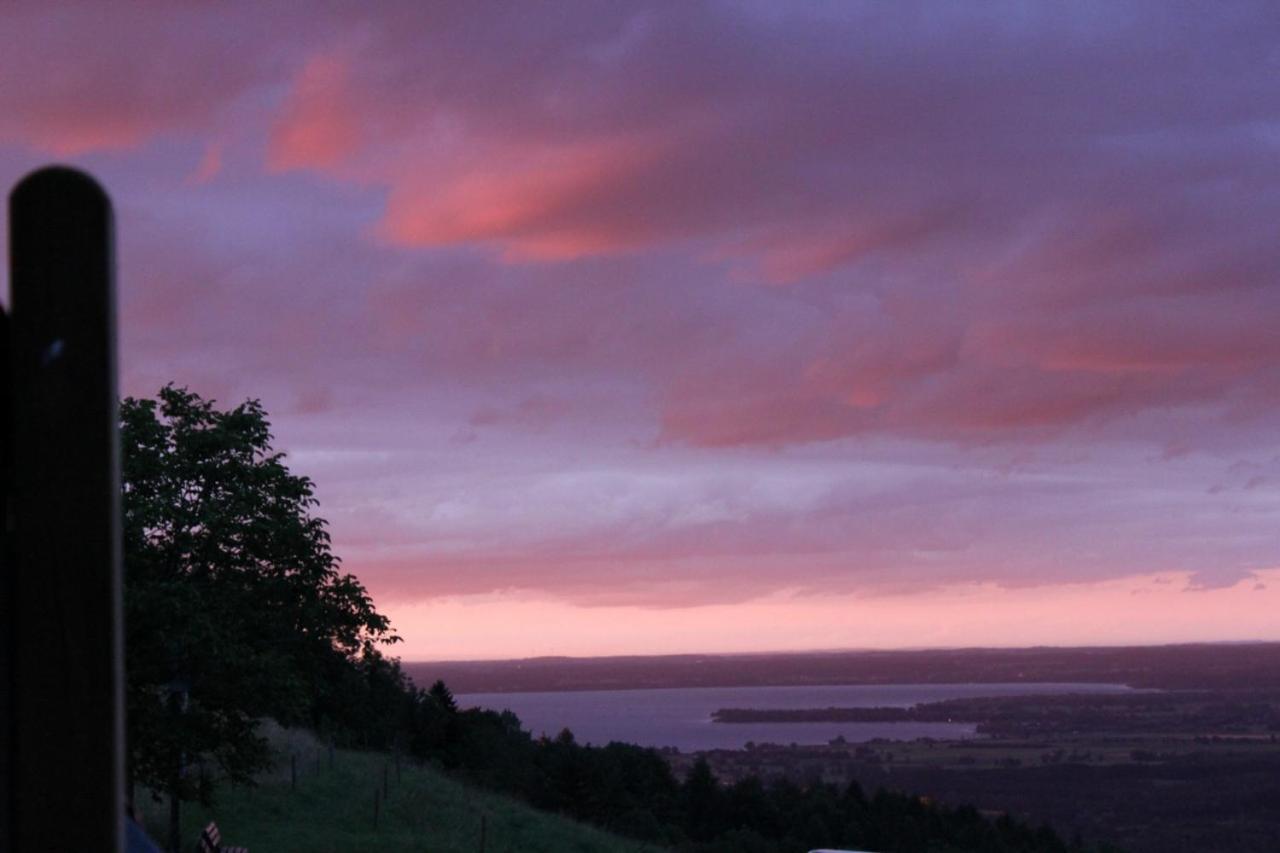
626	328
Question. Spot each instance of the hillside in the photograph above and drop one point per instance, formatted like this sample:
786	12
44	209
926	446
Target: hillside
331	811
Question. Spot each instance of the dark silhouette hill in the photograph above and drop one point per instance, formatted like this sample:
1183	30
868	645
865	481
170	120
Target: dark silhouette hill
1204	665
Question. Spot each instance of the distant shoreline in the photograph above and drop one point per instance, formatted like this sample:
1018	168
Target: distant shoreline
1191	666
906	650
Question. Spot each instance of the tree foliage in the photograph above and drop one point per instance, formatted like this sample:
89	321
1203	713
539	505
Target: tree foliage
236	607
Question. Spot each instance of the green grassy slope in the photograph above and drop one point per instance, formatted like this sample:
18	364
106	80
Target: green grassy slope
332	810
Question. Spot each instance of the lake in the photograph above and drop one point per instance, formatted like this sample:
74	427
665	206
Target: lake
681	717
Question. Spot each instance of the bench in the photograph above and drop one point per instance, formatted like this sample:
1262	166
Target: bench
211	841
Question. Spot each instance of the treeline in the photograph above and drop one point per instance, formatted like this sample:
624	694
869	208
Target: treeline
1208	666
1039	715
632	790
925	712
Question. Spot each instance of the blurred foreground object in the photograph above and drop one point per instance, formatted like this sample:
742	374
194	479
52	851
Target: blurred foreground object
61	661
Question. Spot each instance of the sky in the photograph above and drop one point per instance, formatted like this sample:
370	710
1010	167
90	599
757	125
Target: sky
691	327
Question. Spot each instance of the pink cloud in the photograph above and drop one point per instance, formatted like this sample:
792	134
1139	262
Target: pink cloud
1047	214
530	203
85	77
639	129
318	128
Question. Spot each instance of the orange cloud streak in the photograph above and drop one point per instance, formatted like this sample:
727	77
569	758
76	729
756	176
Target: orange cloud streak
528	201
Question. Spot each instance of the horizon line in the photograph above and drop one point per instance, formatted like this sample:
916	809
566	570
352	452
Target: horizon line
849	650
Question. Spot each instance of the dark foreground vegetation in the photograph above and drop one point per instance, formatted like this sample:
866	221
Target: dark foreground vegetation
1147	794
1191	762
237	610
1152	771
632	791
1193	712
353	801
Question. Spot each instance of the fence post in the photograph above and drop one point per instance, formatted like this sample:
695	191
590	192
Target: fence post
293	772
375	809
482	832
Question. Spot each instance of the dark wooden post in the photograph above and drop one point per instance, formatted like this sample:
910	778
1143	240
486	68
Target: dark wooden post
177	706
63	674
375	808
293	772
483	827
174	835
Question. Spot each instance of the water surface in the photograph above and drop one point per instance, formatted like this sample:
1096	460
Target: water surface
681	716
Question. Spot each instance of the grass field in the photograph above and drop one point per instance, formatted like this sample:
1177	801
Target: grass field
332	811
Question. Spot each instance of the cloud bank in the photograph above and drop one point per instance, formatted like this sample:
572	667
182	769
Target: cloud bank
677	305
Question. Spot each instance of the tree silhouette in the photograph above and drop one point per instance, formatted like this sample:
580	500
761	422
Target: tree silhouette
443	697
235	605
